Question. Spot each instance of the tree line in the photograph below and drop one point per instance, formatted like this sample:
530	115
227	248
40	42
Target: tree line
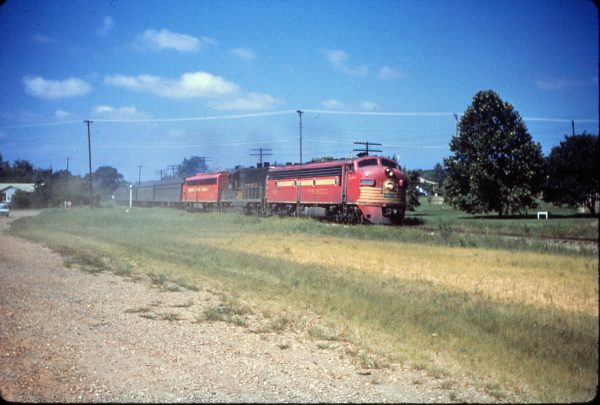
53	188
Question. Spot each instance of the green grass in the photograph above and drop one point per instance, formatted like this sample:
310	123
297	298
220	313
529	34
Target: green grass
563	222
420	322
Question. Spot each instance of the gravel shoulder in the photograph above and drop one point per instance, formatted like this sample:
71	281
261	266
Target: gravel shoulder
71	336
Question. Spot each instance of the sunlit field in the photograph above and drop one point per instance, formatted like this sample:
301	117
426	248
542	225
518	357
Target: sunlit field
521	323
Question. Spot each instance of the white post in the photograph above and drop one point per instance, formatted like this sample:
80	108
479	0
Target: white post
130	195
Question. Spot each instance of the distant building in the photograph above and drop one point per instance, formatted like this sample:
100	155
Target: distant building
8	190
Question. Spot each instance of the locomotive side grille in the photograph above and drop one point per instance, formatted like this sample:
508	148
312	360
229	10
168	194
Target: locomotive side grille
304	173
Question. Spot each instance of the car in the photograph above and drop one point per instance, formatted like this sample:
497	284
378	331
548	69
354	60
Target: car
4	208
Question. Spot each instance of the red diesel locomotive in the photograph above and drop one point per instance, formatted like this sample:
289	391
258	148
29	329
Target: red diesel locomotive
363	189
366	189
203	191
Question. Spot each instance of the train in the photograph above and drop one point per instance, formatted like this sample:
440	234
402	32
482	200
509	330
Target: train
367	189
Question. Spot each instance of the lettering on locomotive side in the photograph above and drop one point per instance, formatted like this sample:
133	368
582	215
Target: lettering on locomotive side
196	189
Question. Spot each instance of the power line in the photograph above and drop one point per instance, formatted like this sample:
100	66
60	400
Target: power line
262	152
366	150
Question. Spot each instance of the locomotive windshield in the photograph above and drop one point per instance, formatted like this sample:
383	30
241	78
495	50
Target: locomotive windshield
367	162
374	162
389	163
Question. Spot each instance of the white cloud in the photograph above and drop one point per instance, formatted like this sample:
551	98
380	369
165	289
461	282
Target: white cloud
125	112
107	25
333	104
53	89
223	94
189	85
245	54
339	60
250	102
369	105
43	39
559	83
389	73
165	39
62	115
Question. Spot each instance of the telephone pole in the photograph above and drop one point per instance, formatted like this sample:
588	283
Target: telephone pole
161	173
261	152
172	167
139	174
366	150
88	122
573	127
300	116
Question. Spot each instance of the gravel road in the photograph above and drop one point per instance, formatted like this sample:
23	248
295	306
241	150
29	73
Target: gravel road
71	336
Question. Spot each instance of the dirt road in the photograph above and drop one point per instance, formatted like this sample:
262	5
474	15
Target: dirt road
71	336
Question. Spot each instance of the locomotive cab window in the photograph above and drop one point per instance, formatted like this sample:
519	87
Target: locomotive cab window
389	163
367	162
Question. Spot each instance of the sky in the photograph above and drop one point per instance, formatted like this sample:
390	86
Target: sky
166	80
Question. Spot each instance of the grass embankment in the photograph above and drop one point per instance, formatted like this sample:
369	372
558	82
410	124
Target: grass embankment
522	322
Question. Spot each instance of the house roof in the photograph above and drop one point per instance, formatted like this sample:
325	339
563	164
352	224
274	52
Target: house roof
27	187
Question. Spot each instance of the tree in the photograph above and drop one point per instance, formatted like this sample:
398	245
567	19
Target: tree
107	179
412	194
496	165
573	172
191	166
22	171
439	175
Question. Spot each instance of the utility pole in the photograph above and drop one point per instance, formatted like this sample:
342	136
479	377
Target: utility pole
68	175
161	173
139	174
573	127
172	167
88	122
366	150
300	116
261	152
51	186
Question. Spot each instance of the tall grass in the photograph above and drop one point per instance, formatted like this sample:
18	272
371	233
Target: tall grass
418	319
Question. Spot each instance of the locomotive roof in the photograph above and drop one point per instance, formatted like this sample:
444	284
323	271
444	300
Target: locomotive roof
327	163
158	182
200	176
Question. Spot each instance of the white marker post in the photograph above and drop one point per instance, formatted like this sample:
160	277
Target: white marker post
130	195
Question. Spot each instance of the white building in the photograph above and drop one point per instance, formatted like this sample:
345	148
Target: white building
8	190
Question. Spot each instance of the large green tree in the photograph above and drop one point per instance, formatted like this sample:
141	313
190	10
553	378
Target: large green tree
573	172
496	166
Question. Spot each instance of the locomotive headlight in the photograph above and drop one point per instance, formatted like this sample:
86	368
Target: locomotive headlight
389	172
388	185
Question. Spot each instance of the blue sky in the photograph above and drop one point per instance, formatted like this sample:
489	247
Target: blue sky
166	80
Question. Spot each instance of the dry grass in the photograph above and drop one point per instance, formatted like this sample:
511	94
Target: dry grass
448	310
565	282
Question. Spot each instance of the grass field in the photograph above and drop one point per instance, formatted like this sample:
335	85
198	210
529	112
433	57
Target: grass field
438	297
